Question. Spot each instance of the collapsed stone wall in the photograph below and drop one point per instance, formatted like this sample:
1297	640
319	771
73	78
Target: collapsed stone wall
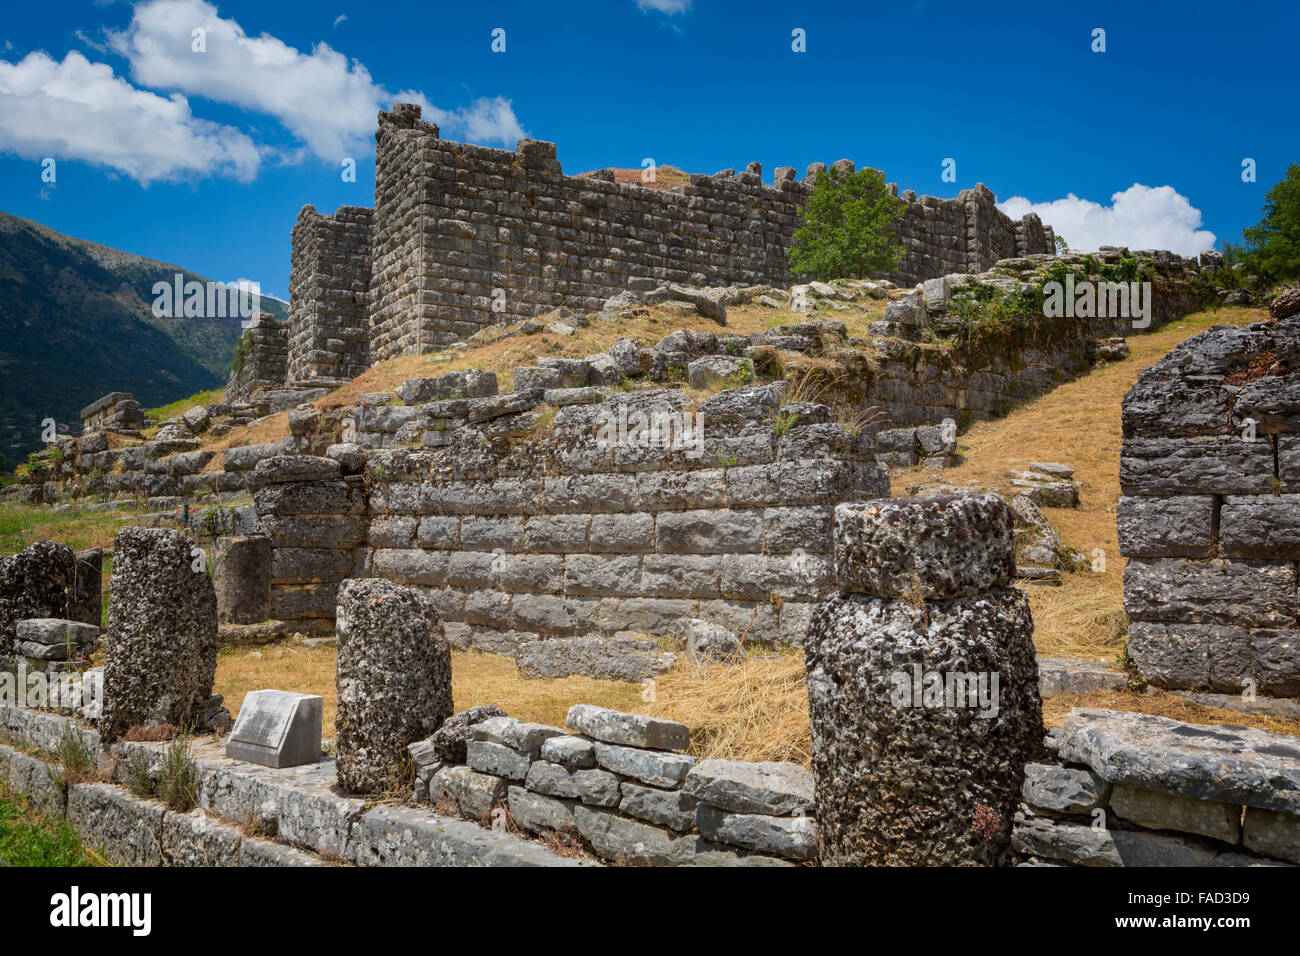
464	237
1210	513
329	290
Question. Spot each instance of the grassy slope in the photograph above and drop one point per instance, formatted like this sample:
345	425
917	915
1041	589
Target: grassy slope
29	838
1078	424
76	322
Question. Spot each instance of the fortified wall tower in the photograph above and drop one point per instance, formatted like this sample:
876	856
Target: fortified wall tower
462	237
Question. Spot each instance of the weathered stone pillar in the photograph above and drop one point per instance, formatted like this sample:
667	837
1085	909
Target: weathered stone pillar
393	679
34	583
922	685
162	633
241	574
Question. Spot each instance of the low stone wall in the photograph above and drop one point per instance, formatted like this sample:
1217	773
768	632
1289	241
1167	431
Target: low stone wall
1013	358
1139	790
620	784
1210	518
303	819
571	527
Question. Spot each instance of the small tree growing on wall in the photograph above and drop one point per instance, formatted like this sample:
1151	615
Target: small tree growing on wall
847	227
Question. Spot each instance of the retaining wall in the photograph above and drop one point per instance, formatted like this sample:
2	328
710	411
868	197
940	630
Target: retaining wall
1140	790
550	535
1210	513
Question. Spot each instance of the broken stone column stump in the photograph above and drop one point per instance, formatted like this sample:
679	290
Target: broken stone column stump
393	679
34	584
161	640
922	685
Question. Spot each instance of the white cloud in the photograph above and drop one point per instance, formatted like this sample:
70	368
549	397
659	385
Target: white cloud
83	111
325	99
668	7
340	19
483	121
1140	217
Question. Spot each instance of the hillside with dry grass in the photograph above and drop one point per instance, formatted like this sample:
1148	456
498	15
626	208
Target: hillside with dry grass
758	710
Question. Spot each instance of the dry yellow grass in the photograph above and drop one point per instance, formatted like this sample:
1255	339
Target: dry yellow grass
477	678
1161	704
757	710
1079	424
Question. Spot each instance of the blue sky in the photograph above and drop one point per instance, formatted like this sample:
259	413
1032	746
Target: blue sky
204	159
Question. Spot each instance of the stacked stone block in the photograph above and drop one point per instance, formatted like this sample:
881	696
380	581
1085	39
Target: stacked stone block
265	359
622	784
1140	790
314	513
597	523
1210	477
116	411
922	685
54	645
329	289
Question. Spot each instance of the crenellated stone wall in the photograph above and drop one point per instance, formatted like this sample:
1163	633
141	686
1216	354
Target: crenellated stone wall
464	237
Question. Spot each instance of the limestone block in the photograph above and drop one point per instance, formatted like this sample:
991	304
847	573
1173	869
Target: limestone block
1164	811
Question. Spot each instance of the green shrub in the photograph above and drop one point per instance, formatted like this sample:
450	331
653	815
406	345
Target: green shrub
847	227
135	772
1273	244
743	375
77	760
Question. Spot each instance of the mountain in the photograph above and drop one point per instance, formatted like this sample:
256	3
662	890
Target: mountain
77	322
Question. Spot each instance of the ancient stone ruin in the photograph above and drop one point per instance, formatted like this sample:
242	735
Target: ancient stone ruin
922	685
654	504
464	237
162	634
1209	519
